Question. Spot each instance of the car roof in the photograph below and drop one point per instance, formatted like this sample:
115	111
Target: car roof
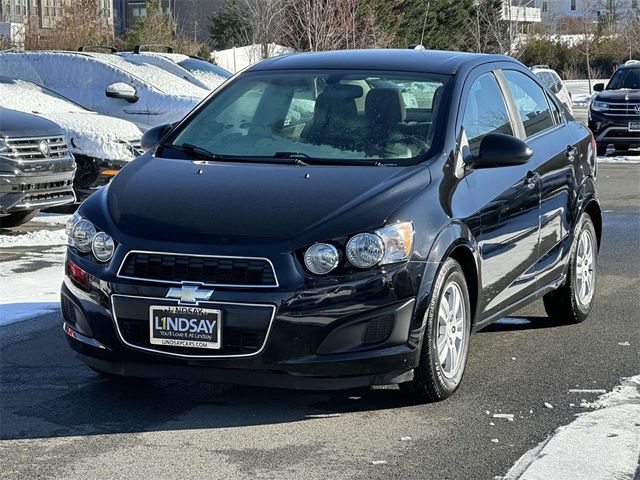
406	60
630	65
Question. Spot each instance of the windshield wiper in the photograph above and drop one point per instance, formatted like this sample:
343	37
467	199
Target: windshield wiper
296	156
193	150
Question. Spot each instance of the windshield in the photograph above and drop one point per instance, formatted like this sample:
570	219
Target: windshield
197	65
625	78
341	116
29	97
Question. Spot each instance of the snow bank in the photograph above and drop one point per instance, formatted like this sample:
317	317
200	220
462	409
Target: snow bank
237	58
51	219
628	159
34	239
29	294
603	444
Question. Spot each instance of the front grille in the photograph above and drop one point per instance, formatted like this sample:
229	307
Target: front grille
30	187
36	148
209	270
235	341
622	109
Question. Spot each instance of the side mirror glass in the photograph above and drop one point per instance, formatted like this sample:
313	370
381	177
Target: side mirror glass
152	137
123	91
598	87
500	150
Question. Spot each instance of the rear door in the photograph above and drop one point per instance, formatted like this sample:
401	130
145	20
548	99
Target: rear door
554	147
508	202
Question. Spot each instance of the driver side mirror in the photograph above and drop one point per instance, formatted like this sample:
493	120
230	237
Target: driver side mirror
152	137
500	150
598	87
123	91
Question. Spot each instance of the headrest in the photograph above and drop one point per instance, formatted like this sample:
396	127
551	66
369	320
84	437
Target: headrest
384	105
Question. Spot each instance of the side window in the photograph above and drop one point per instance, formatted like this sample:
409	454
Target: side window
485	111
531	102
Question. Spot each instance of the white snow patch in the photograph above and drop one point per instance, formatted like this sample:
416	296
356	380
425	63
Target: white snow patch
34	239
587	390
32	293
628	159
602	444
624	344
548	405
51	219
508	416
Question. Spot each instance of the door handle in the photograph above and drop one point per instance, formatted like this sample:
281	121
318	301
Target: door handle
531	179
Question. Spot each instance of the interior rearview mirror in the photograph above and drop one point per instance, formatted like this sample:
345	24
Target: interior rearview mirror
500	150
598	87
123	91
152	137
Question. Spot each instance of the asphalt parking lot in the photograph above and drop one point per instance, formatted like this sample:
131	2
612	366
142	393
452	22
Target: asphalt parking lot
58	419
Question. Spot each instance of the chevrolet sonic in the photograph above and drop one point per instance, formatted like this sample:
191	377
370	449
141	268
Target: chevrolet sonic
337	220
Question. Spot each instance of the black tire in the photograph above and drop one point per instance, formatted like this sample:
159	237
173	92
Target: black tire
430	382
601	149
621	148
16	219
563	305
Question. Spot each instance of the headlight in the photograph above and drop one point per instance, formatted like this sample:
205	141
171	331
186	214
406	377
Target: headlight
398	242
82	235
599	106
102	247
321	258
365	250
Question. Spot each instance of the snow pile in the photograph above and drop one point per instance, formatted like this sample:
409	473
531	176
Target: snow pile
237	58
628	159
603	444
34	239
51	219
30	293
580	91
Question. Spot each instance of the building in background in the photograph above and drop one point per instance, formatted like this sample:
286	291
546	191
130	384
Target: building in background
564	16
40	16
191	15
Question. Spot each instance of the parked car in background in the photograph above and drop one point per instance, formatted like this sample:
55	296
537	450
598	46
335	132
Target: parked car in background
354	243
108	84
193	69
553	82
100	144
614	113
36	168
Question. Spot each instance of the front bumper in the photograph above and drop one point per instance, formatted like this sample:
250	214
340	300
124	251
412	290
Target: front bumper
35	191
291	336
614	131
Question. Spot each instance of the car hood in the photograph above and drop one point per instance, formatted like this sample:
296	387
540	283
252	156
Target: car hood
190	202
98	136
618	96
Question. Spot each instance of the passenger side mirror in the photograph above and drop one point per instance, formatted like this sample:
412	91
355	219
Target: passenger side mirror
598	87
123	91
500	150
152	137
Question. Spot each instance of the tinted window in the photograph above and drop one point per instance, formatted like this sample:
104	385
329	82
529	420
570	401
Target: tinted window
485	112
343	115
625	78
531	102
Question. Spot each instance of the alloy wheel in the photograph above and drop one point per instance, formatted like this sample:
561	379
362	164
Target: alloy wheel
585	268
451	333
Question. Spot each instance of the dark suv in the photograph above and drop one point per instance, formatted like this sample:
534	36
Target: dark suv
338	219
614	115
36	169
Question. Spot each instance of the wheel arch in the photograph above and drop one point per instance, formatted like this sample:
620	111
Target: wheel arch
592	207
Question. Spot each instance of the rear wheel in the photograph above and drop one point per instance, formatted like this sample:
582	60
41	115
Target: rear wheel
445	344
572	302
17	218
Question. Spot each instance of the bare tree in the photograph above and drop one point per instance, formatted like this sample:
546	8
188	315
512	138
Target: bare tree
263	25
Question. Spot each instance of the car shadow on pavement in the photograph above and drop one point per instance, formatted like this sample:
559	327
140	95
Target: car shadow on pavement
46	392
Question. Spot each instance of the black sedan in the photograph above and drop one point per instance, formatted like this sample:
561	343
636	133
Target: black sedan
336	220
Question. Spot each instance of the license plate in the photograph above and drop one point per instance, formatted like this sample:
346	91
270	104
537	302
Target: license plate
634	126
193	327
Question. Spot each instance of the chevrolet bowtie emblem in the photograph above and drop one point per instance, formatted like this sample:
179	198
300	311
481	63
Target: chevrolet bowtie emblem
189	294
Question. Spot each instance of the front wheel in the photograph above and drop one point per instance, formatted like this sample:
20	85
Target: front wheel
445	344
572	302
16	219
